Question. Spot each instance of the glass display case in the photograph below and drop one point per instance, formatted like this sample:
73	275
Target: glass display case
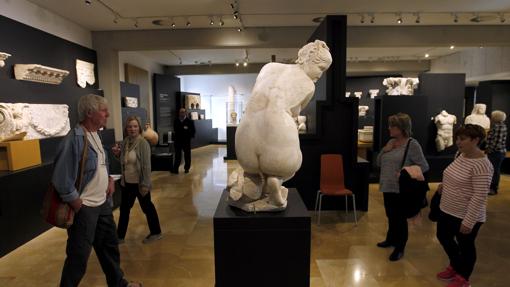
234	113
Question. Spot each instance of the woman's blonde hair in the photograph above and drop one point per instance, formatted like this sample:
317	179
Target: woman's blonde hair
402	122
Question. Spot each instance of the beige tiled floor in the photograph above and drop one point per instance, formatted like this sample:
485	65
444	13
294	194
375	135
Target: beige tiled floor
342	255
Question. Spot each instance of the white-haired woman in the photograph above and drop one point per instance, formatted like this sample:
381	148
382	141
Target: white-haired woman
496	147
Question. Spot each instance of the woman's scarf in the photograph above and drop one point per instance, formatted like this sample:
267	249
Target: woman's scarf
129	145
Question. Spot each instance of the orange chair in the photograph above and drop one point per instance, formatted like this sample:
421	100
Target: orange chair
332	183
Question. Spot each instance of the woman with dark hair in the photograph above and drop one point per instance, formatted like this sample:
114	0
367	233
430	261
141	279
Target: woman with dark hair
392	159
463	204
135	159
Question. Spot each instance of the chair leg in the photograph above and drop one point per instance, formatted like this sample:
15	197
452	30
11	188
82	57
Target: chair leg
317	202
354	209
346	206
320	206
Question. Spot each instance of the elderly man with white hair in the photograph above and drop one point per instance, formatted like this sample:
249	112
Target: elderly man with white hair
93	224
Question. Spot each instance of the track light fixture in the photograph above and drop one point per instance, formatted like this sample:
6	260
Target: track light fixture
136	23
88	2
362	18
221	23
116	19
399	18
452	47
173	24
455	18
427	55
418	18
237	64
372	19
502	18
239	29
211	21
245	63
188	23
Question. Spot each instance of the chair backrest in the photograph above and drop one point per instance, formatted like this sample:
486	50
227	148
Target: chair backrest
332	170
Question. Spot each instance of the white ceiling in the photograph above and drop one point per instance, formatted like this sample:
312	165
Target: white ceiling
100	15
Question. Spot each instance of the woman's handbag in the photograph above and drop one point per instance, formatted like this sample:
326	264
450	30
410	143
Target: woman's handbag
413	192
54	210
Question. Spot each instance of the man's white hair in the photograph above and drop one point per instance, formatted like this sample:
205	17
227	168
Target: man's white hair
89	103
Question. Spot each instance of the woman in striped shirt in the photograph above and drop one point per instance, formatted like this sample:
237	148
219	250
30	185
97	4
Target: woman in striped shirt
463	202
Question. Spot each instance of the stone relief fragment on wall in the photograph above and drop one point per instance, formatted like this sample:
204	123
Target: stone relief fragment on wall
33	121
192	102
131	102
400	86
373	93
39	73
3	57
85	73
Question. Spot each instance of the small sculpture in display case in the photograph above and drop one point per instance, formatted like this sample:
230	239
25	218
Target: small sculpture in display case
33	121
478	117
192	102
267	140
39	73
233	117
400	86
3	57
366	134
362	110
358	94
234	112
84	73
347	94
373	93
444	123
193	115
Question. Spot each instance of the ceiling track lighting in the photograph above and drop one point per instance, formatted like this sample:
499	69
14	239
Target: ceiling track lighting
239	29
399	18
188	23
362	18
88	2
427	55
418	18
211	21
372	19
452	47
455	17
221	23
136	23
502	18
116	19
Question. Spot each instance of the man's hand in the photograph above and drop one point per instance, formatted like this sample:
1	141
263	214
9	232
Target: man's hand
111	187
76	204
464	229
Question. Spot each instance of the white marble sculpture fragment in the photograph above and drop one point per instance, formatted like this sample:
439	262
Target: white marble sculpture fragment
131	102
36	120
192	102
444	123
301	124
358	94
347	94
3	57
193	116
85	73
366	134
39	73
267	140
373	93
362	110
478	117
400	86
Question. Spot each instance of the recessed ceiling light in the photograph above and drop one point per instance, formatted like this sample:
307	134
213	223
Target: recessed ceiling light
427	55
452	47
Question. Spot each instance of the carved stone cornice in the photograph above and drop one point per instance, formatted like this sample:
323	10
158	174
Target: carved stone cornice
39	73
3	57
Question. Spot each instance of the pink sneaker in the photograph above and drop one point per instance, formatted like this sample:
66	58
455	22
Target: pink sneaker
459	281
447	275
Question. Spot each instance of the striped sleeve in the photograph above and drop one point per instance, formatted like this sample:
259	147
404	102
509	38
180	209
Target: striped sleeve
481	179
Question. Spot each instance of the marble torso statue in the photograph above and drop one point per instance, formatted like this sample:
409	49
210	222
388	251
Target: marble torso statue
267	140
478	117
444	123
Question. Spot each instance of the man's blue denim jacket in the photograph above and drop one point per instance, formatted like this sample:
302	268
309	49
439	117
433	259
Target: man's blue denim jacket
67	164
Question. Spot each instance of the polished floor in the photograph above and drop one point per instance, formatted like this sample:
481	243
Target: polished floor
342	254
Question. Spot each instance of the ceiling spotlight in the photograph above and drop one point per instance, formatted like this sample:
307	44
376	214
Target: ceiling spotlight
362	18
211	22
452	47
502	18
236	15
239	29
221	23
237	64
136	23
116	19
418	19
399	18
476	19
188	23
245	63
372	19
88	2
427	55
455	18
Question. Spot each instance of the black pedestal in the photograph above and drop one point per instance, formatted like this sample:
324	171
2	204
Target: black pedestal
231	143
162	161
262	249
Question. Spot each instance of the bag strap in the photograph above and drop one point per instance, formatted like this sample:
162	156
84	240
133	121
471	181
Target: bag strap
405	153
81	169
